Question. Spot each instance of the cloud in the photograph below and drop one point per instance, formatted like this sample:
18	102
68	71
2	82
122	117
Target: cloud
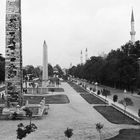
69	26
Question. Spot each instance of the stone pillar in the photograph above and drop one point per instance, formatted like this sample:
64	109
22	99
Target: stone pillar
13	54
45	66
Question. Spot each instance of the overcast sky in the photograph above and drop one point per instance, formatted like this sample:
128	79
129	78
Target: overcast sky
69	26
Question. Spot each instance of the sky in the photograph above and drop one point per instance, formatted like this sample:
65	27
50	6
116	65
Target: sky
69	26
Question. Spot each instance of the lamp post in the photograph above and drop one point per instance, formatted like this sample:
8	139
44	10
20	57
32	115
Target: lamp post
125	93
96	86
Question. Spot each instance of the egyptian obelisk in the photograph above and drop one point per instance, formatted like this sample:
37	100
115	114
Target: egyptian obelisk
45	66
13	53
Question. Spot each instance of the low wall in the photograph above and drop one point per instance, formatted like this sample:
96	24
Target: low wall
44	90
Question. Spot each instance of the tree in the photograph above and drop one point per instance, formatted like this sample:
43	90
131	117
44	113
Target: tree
68	133
126	102
50	70
98	92
22	130
115	98
99	127
106	93
119	69
28	113
58	70
38	72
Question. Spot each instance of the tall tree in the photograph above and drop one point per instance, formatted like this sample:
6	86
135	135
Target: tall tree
126	102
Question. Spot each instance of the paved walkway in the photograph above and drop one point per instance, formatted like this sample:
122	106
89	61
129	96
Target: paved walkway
135	98
78	115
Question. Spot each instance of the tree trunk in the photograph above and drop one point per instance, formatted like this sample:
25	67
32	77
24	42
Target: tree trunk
30	121
100	136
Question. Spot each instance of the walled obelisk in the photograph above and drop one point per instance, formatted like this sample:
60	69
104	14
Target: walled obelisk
45	66
13	53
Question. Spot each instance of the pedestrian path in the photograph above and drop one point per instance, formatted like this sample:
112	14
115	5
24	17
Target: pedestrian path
121	95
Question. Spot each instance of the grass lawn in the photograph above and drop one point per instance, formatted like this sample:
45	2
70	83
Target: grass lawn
50	99
57	99
114	116
127	134
91	99
77	88
56	89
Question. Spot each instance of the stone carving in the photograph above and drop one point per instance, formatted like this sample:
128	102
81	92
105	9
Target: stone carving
13	73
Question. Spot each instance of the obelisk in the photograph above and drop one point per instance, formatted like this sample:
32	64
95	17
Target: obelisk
13	53
45	66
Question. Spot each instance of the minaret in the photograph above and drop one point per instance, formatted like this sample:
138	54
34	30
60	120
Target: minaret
13	52
132	32
81	57
86	55
70	65
45	65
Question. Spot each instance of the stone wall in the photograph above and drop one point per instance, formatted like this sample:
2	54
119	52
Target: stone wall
13	65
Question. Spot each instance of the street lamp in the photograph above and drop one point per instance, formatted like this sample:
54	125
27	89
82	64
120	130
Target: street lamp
125	93
96	86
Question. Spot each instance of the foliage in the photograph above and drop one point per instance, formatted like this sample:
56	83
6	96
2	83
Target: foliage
28	113
35	71
99	126
106	93
14	116
59	71
22	130
126	102
120	69
115	98
98	92
68	133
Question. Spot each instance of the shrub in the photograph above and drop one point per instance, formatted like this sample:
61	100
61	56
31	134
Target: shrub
115	98
98	92
68	133
22	130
